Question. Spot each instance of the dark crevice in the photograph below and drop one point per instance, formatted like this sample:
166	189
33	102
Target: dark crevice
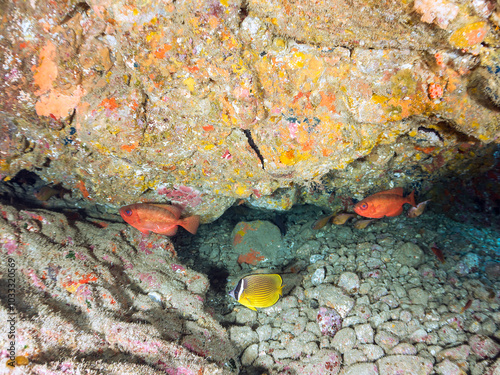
431	131
81	7
243	10
71	118
144	106
252	144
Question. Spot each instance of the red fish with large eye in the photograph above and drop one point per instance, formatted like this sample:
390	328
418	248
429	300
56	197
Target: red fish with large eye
158	218
385	203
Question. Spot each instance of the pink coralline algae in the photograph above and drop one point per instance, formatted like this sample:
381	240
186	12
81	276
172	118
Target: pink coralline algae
484	346
149	279
34	278
10	245
329	321
182	195
179	371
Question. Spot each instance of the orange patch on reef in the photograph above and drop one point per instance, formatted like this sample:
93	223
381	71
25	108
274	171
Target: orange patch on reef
308	146
237	238
160	52
208	128
46	72
81	185
131	147
288	157
58	105
109	103
87	278
425	150
251	257
72	286
327	100
326	152
133	105
469	35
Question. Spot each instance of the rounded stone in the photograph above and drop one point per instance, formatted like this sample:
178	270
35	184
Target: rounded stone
361	368
243	336
404	364
349	282
409	255
250	354
344	340
364	333
256	243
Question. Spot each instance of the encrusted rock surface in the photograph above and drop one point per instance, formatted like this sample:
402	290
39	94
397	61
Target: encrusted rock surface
204	102
100	297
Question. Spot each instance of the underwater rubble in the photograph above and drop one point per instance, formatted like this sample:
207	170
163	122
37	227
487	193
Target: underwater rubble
99	296
378	300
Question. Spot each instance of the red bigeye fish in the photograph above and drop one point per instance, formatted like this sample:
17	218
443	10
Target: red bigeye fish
158	218
417	211
385	203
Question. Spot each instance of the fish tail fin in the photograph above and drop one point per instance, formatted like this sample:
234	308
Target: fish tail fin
411	198
190	223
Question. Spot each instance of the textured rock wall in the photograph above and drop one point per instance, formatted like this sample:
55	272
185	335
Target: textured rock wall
204	102
86	290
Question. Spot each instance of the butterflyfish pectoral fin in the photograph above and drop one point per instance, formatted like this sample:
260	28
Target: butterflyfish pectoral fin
246	303
281	290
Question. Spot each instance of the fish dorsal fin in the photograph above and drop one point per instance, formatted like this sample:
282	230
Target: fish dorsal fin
396	191
174	210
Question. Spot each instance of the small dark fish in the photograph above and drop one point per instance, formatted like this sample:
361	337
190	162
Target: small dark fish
438	253
321	222
362	224
466	307
341	219
46	192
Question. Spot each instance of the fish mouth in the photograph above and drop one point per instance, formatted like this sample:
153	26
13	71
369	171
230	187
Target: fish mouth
231	293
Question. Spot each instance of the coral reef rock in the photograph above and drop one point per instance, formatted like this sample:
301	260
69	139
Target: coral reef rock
94	290
203	103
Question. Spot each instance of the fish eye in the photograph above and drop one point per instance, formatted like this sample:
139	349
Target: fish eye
363	206
128	212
